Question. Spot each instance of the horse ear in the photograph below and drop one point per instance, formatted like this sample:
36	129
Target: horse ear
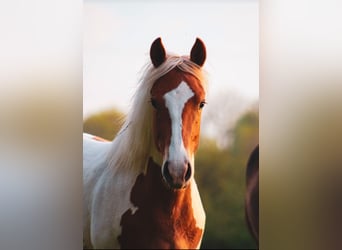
157	52
198	52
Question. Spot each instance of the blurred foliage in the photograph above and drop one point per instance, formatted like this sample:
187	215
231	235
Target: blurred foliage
105	124
246	133
220	176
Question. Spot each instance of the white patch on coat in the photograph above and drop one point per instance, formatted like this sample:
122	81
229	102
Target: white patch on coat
101	214
197	207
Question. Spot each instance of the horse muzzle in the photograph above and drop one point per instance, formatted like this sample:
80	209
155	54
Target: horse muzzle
177	174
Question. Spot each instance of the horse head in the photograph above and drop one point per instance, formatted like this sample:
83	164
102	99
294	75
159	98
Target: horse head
177	99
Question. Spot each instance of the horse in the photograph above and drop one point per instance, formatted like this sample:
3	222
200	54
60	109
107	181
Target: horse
139	189
252	194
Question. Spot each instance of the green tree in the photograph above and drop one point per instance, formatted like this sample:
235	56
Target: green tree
105	124
220	175
246	133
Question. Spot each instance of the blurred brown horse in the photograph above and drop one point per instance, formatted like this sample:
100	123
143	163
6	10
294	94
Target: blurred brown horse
252	194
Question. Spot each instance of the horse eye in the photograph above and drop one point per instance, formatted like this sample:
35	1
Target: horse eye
201	105
154	103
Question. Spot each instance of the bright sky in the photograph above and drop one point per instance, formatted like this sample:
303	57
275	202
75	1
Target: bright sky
118	36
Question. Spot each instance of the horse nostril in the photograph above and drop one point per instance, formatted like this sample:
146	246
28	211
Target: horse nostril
188	172
166	172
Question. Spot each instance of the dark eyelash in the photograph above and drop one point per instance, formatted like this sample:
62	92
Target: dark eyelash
201	105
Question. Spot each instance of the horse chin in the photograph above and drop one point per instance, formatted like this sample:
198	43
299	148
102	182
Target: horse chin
175	186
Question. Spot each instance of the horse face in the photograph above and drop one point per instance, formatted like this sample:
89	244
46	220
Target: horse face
178	99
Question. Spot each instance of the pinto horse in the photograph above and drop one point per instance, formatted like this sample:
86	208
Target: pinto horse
139	189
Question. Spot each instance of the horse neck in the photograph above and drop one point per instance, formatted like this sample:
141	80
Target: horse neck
170	215
150	186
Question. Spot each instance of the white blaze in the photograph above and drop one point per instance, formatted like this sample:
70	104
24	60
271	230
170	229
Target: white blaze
175	101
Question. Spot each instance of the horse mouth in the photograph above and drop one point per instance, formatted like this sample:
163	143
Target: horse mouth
174	186
169	184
